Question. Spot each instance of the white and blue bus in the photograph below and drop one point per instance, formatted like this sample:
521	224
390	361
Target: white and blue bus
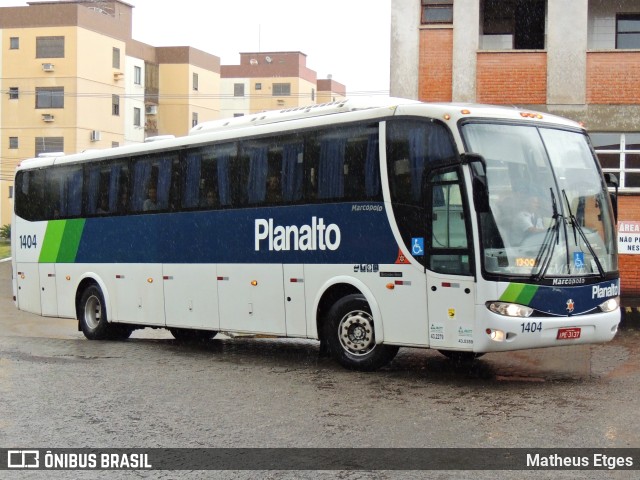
368	227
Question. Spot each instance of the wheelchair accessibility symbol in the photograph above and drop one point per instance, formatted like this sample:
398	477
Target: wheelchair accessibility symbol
417	247
578	259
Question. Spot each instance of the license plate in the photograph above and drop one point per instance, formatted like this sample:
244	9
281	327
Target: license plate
568	333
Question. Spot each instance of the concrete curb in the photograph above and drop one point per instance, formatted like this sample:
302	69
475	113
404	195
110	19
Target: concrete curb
5	260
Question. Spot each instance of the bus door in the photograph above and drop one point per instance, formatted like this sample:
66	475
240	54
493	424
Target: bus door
191	296
251	298
450	280
48	291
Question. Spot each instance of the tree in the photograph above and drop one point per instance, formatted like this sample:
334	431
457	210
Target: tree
5	231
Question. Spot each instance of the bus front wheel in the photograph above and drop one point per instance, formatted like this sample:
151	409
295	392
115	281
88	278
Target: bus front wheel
350	336
92	314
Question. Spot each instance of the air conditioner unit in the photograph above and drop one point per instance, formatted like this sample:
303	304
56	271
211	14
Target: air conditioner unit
118	75
47	117
95	135
151	109
48	67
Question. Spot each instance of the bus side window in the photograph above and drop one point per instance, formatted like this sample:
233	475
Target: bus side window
152	183
63	192
347	164
448	246
30	195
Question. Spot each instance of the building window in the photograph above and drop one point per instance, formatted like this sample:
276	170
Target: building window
115	63
194	119
137	75
49	97
14	43
238	89
281	89
195	81
513	24
14	93
13	143
50	47
115	144
10	191
236	115
115	104
437	11
628	31
619	153
258	86
313	94
137	117
49	145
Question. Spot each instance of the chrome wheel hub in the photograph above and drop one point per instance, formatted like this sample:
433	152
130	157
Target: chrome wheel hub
356	333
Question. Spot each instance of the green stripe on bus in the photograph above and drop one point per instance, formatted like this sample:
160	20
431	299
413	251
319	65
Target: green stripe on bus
70	241
519	293
61	241
52	241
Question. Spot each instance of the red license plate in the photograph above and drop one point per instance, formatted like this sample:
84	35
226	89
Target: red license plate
568	333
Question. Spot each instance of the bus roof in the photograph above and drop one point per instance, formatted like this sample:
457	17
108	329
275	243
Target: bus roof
350	109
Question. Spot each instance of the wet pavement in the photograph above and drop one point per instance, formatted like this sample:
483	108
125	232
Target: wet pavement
61	390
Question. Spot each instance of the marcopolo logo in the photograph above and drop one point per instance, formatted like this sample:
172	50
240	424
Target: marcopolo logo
315	236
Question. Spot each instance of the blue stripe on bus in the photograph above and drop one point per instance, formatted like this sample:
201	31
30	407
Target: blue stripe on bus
229	236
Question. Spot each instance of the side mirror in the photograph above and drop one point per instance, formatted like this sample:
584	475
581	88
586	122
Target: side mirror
612	182
480	189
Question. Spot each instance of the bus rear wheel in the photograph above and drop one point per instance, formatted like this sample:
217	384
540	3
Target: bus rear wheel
190	335
350	336
92	315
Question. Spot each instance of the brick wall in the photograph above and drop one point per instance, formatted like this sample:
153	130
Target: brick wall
436	65
613	77
512	77
629	210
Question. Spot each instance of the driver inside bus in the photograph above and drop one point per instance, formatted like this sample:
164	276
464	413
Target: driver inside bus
529	220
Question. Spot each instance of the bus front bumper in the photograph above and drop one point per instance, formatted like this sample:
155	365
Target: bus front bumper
497	333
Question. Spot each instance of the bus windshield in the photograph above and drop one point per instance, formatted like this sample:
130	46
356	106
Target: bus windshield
549	211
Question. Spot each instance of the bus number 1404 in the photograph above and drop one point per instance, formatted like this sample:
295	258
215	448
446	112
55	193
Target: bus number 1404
531	327
28	241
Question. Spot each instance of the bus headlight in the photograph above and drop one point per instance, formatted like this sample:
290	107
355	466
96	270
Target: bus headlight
510	309
610	305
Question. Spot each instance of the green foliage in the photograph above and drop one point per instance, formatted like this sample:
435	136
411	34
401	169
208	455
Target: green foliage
5	231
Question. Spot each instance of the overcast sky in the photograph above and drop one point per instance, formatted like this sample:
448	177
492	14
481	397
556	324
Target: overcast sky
346	38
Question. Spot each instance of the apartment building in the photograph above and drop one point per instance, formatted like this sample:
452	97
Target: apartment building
271	81
575	58
72	78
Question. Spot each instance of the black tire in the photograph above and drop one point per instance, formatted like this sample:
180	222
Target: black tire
191	335
350	336
460	358
92	314
120	331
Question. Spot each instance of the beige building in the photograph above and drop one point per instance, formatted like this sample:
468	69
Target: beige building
73	79
272	81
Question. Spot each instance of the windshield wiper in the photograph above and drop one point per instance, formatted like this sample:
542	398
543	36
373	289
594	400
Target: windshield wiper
578	228
551	237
